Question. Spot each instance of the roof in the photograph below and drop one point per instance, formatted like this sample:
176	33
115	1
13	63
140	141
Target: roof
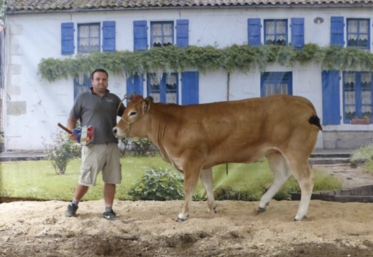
15	6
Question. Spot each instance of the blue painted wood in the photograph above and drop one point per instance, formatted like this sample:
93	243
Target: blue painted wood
135	85
190	87
254	29
108	28
67	38
182	33
297	32
330	97
140	35
337	31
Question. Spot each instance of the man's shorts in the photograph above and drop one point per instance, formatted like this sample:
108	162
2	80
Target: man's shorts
100	157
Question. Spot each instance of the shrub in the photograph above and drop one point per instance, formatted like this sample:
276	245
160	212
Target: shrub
125	145
61	151
361	155
141	146
158	184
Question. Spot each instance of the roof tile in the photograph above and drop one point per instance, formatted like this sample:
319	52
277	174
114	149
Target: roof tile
45	5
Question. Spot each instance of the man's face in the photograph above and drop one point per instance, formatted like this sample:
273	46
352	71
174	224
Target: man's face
100	82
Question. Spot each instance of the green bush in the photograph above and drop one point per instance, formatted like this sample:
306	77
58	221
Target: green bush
61	151
141	146
160	185
361	155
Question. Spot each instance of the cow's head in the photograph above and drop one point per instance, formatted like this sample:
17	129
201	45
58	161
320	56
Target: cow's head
129	126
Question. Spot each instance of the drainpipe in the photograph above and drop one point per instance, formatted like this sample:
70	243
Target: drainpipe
228	86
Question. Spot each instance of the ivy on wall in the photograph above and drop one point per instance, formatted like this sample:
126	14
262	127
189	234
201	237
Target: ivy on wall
208	58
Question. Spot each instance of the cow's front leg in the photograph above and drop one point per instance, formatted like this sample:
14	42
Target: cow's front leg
190	182
206	178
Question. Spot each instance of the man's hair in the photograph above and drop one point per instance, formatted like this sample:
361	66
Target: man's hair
99	70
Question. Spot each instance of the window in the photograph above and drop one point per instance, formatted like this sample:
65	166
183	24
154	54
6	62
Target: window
358	33
88	38
275	32
357	95
81	84
276	83
164	90
162	34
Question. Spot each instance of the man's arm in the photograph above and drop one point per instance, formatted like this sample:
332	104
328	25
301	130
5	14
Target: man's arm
71	123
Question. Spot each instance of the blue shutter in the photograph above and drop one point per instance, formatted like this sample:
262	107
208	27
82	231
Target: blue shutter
337	31
140	35
108	28
182	33
67	38
254	29
135	84
297	32
190	90
330	98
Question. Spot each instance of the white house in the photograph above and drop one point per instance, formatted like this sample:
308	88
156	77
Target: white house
63	29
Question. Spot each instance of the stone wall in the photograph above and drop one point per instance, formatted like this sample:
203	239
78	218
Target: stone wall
346	139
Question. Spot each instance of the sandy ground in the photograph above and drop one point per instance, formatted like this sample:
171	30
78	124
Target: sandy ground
149	228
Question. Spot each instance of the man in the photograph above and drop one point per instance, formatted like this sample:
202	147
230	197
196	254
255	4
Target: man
99	108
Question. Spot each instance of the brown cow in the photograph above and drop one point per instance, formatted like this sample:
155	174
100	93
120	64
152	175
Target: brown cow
195	138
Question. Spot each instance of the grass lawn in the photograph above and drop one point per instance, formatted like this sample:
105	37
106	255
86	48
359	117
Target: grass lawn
37	179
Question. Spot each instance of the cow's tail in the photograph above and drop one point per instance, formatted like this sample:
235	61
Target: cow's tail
314	120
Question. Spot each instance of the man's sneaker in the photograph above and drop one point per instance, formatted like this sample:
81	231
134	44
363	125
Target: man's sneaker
71	210
109	215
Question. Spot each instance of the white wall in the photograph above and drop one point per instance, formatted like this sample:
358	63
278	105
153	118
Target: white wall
33	37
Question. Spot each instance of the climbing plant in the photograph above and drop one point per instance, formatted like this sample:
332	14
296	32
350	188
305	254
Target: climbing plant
208	58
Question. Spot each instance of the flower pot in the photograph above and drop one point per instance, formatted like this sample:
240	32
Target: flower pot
360	121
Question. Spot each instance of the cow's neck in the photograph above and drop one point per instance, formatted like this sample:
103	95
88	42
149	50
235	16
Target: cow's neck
157	130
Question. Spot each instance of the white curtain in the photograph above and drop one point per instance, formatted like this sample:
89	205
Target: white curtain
167	30
281	27
84	36
270	27
352	26
364	27
171	98
171	79
157	33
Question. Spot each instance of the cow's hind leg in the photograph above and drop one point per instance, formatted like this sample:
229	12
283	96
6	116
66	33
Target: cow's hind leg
281	174
191	175
302	173
206	178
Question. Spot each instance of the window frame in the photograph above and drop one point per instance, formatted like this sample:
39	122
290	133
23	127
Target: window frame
99	37
162	87
275	34
281	74
162	22
358	31
358	95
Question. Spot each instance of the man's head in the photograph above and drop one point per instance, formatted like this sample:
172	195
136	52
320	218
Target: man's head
99	80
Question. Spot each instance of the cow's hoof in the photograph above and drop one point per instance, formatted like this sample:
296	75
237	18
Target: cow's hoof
215	210
182	217
260	210
303	218
180	220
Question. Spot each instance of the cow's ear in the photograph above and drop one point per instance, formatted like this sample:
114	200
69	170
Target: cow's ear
146	104
149	99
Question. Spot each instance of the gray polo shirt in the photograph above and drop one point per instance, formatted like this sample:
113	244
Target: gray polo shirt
100	112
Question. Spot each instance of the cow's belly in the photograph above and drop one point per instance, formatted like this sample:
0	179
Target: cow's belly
239	156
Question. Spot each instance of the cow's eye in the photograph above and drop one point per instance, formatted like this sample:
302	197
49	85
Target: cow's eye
132	113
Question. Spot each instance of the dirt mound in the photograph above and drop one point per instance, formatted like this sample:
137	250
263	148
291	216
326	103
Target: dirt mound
149	229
